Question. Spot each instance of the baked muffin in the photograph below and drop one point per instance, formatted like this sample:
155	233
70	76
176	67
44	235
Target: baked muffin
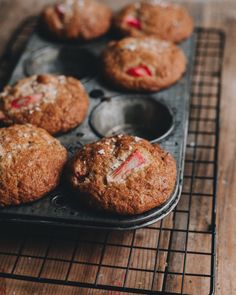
31	162
166	21
55	103
78	19
123	174
143	63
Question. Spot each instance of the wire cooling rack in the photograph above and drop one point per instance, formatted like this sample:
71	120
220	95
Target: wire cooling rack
174	256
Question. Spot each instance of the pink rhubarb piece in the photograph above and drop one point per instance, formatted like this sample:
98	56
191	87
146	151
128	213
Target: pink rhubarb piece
133	22
135	160
23	101
139	71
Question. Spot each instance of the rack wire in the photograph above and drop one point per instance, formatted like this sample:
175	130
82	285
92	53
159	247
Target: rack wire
173	256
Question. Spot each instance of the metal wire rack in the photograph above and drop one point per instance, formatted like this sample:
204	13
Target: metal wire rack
174	256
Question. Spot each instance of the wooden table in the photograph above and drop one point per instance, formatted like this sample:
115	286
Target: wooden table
211	13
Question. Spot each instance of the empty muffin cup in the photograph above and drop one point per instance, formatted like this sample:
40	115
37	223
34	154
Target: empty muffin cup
76	62
135	115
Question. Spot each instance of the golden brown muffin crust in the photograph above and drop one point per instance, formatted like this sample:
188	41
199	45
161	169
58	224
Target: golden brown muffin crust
155	17
123	174
83	19
143	63
31	161
55	103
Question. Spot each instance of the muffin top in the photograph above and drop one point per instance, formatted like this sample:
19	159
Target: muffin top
55	103
123	174
155	17
31	161
83	19
143	63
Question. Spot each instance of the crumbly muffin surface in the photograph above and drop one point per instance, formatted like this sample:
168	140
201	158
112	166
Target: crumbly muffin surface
78	19
55	103
143	63
123	174
155	17
31	162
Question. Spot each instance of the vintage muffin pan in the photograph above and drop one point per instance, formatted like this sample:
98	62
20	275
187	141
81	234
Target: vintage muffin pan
158	117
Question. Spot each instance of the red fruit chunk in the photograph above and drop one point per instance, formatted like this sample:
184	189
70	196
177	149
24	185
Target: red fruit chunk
23	101
133	22
135	160
60	10
139	71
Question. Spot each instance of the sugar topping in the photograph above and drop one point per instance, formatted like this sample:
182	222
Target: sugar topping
66	7
9	156
131	47
120	135
162	3
137	139
23	134
30	94
146	44
110	145
101	152
3	94
24	139
62	79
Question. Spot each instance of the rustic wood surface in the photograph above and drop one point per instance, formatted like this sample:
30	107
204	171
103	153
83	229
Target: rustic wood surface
220	14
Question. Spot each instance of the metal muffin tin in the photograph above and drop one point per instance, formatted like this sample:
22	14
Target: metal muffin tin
159	117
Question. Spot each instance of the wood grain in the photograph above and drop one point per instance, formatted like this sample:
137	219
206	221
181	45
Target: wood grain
221	14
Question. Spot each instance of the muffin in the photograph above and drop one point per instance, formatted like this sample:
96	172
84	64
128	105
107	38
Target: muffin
31	162
55	103
159	18
123	174
77	19
143	63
